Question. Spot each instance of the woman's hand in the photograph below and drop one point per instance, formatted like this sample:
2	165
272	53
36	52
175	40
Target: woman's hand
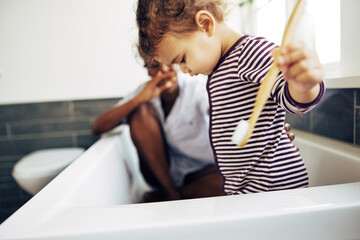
290	134
154	87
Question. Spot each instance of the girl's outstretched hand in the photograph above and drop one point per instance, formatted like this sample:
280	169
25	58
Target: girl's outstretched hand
302	70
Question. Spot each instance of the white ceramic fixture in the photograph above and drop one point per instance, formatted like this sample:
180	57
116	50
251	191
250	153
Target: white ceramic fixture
35	170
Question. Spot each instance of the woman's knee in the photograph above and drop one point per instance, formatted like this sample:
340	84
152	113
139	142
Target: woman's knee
141	114
141	120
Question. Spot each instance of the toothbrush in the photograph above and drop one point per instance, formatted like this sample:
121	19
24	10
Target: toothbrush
244	128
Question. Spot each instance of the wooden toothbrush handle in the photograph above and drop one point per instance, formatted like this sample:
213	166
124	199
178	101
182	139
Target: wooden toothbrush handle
262	96
271	76
292	23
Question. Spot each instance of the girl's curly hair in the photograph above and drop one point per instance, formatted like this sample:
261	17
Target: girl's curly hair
158	17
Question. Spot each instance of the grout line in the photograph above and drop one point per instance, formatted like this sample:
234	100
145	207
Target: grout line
74	139
47	135
71	109
8	130
65	119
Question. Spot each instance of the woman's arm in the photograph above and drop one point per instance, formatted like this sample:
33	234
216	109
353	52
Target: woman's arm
114	116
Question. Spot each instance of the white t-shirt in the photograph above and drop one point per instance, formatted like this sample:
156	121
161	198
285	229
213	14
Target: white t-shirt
186	127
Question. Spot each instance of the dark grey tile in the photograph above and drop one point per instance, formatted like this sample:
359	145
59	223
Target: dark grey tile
90	112
12	194
302	122
6	160
85	141
51	126
6	213
3	131
7	147
6	166
29	111
25	146
9	193
23	195
357	130
13	204
5	174
357	97
8	185
6	179
92	108
334	116
13	198
96	102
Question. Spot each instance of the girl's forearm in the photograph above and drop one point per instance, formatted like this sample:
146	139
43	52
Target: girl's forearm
304	96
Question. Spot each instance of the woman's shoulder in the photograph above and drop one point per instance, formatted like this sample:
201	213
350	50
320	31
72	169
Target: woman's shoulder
193	87
191	82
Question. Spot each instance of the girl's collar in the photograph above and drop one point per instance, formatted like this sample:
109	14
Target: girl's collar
222	59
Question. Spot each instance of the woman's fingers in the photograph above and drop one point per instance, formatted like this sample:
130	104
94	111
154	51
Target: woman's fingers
160	78
287	127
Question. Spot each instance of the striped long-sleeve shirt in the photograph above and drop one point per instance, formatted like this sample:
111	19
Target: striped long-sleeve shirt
269	161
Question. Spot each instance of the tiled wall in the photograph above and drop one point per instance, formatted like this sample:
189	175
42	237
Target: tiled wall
337	116
28	127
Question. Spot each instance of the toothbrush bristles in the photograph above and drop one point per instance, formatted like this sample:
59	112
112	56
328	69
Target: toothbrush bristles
240	132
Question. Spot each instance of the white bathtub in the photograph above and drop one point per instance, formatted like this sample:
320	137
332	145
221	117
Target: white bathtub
92	199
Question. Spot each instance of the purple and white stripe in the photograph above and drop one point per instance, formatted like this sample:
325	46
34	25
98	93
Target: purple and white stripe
269	161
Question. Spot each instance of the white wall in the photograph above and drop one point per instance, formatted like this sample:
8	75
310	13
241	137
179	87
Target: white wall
67	49
83	49
350	28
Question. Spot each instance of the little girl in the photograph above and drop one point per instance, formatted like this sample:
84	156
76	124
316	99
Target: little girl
192	34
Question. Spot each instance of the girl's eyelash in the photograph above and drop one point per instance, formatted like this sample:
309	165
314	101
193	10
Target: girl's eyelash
183	60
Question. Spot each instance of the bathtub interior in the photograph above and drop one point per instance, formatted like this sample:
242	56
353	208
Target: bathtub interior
328	161
93	197
110	173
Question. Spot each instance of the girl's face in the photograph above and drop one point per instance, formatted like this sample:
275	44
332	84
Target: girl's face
195	52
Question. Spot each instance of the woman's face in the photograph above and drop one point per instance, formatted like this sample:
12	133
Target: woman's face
164	68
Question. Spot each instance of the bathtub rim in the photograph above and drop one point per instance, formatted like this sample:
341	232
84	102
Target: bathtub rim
310	200
328	144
